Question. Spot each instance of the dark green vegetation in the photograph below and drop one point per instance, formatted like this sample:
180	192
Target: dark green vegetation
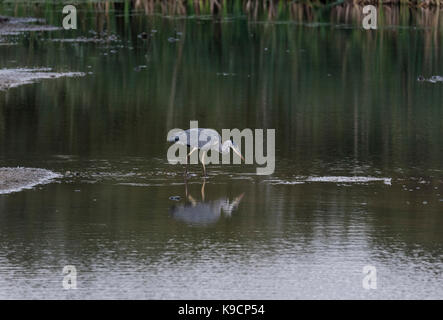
370	77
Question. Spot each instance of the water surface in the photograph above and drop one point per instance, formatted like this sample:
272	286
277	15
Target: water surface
358	177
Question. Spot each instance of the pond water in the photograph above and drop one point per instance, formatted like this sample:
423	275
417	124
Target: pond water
358	178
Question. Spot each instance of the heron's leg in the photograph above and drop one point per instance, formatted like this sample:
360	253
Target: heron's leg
203	163
187	161
186	167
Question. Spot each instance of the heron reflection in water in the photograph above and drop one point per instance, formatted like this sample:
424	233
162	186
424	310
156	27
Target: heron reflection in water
204	212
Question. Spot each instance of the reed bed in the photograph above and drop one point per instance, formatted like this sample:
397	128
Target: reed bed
250	7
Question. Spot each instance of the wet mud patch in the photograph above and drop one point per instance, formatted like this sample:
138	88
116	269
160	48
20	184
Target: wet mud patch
11	78
351	179
17	179
95	37
6	42
333	179
433	79
14	26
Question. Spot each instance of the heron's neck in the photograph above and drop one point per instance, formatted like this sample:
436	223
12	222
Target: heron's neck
225	146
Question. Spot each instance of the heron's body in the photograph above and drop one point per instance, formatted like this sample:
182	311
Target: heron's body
200	138
203	139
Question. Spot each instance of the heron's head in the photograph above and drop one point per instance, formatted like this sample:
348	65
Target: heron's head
173	139
176	136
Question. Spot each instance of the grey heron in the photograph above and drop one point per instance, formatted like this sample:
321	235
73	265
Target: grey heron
204	139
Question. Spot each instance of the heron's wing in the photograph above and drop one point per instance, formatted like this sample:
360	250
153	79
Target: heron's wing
192	137
203	138
209	139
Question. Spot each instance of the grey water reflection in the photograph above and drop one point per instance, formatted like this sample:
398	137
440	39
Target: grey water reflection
204	212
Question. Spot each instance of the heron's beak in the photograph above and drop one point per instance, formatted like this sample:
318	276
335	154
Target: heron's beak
238	153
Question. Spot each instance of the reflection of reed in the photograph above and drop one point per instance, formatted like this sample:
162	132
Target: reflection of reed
392	15
305	11
252	8
259	75
177	64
